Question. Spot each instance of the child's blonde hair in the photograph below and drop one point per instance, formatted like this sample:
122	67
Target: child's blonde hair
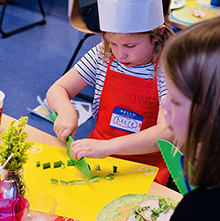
155	33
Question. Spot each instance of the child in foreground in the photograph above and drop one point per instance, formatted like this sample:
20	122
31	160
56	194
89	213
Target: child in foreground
192	72
129	86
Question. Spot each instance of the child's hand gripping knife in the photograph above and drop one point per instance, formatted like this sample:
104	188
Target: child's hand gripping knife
65	125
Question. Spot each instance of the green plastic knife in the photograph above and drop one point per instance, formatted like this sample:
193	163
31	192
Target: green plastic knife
173	157
80	164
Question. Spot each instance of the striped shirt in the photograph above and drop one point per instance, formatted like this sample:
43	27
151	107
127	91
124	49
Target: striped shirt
93	71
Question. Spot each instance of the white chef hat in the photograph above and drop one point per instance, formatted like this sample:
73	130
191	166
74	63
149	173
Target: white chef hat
130	16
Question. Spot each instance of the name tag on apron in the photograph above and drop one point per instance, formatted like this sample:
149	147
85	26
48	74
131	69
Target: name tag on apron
126	120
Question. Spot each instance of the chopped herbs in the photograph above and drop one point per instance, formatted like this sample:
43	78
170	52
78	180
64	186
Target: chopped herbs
154	215
144	208
164	206
139	218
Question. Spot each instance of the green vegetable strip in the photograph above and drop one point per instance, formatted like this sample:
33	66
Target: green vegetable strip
70	163
154	215
75	182
46	165
62	182
57	164
54	181
94	179
163	208
38	164
109	176
138	217
115	169
97	167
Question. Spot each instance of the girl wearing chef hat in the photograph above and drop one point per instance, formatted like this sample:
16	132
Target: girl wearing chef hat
129	86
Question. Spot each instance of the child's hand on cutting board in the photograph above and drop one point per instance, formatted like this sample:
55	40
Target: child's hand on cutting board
90	148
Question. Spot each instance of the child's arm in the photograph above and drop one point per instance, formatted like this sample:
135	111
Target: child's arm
178	24
175	23
58	98
138	143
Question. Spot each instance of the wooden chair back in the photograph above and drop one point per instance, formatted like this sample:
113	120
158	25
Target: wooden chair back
76	18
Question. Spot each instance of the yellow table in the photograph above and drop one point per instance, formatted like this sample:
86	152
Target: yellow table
38	136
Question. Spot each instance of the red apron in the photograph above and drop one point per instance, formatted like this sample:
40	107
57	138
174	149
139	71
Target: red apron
134	94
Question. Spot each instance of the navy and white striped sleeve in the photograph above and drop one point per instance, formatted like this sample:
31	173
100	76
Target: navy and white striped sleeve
87	65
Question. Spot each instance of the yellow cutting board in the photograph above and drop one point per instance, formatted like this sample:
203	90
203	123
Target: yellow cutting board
83	202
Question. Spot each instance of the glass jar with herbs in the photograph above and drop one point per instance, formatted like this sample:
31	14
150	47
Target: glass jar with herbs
13	140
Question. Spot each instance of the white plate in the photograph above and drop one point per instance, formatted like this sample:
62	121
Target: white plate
177	4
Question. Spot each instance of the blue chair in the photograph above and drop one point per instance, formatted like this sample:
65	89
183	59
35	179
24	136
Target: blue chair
9	33
78	23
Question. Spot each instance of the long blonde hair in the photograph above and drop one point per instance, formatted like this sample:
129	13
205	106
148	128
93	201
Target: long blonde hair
192	61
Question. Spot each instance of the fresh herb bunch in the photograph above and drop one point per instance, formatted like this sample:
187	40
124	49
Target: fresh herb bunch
13	141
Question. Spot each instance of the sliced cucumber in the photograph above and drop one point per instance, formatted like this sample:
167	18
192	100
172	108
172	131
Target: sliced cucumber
115	169
38	164
63	182
94	179
109	176
63	165
97	167
75	182
69	163
57	164
46	165
54	181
